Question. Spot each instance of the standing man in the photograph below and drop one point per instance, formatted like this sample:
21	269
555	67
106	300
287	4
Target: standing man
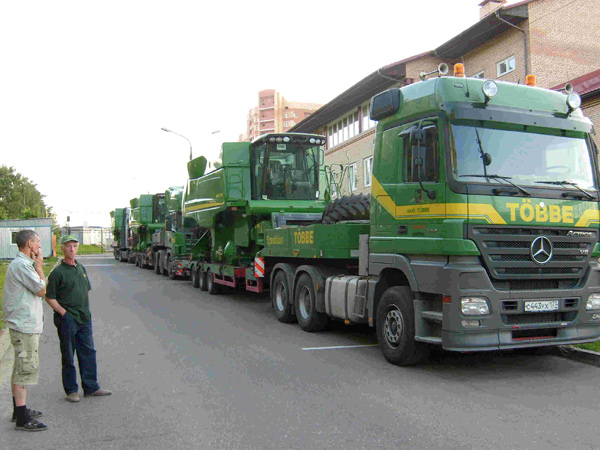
67	295
24	289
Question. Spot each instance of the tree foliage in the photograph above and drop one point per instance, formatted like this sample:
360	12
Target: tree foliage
19	197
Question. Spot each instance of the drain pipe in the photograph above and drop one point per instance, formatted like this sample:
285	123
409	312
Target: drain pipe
497	13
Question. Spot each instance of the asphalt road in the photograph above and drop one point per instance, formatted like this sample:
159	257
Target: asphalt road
194	371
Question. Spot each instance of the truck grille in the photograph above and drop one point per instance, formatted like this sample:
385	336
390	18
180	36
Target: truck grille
507	254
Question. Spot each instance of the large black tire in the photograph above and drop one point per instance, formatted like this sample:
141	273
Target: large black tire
171	269
305	300
396	328
195	277
354	207
212	287
202	280
164	261
157	263
282	304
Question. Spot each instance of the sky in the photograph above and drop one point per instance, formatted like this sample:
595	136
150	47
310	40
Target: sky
86	86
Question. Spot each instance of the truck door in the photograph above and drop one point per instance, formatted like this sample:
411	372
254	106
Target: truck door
420	192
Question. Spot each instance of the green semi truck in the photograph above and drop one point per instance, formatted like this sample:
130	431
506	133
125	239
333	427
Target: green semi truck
483	230
147	217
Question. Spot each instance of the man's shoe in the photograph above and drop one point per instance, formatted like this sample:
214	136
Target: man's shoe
73	397
98	393
32	413
32	425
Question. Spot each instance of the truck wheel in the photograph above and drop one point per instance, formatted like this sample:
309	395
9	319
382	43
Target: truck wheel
202	279
157	263
305	299
284	310
171	269
164	268
194	277
396	328
212	287
354	207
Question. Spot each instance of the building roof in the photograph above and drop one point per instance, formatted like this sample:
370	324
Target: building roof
392	74
586	86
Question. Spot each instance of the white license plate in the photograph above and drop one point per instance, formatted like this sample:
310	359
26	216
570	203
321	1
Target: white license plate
544	305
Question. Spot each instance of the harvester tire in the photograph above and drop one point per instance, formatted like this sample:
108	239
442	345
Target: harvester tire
195	277
282	299
157	263
353	207
395	327
305	300
212	287
202	279
163	264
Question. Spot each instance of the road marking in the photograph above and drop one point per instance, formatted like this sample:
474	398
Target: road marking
339	347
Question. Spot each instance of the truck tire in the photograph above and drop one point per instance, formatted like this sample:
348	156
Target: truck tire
396	328
163	264
202	280
171	269
212	287
157	263
354	207
305	301
282	304
195	276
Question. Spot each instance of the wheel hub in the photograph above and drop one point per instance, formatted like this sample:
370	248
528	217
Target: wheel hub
394	327
304	303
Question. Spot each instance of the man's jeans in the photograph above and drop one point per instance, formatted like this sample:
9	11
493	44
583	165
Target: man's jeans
76	337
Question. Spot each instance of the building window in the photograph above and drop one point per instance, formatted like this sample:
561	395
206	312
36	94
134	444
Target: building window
286	124
345	128
367	123
368	168
506	66
14	237
285	115
352	186
478	75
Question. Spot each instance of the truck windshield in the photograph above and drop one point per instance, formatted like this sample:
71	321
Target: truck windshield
527	159
285	171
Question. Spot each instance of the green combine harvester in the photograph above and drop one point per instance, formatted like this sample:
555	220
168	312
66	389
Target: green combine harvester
119	219
147	217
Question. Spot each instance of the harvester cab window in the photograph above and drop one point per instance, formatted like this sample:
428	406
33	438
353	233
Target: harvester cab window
421	154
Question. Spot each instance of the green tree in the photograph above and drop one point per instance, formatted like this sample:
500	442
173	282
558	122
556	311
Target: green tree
19	196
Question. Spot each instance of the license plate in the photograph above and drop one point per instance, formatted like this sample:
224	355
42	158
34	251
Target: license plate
544	305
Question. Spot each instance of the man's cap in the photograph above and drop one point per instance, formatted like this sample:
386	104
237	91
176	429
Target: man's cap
68	238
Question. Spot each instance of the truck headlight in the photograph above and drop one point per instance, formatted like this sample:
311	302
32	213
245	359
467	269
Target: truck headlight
593	302
474	306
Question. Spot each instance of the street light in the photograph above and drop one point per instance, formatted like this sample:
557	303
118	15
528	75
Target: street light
169	131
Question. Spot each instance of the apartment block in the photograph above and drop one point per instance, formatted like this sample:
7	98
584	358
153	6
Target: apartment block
274	114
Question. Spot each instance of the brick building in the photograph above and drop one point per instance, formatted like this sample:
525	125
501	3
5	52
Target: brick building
274	114
556	40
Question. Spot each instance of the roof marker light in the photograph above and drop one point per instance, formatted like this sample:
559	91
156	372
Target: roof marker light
459	70
530	80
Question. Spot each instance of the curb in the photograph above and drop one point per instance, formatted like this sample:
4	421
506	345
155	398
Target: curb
579	354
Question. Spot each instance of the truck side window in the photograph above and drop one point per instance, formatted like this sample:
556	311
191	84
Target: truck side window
428	151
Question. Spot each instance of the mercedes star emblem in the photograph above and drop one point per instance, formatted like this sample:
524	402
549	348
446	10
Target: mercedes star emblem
541	250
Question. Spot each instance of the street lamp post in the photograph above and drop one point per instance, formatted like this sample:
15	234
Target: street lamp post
170	131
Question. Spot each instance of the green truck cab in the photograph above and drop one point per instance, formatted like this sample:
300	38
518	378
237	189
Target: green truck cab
483	230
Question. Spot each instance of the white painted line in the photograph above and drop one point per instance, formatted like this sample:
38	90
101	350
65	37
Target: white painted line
339	347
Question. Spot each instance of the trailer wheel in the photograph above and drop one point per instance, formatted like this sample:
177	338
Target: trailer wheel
195	276
305	300
212	287
164	268
157	263
396	328
202	279
171	269
282	305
